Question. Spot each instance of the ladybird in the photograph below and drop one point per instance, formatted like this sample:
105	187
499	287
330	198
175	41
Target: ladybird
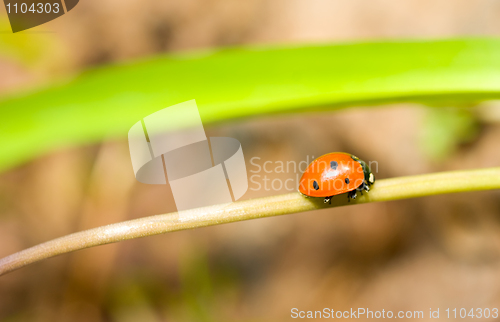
336	173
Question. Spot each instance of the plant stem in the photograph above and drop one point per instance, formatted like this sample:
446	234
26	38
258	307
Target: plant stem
383	190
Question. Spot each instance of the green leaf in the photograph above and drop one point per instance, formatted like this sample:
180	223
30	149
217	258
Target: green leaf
233	83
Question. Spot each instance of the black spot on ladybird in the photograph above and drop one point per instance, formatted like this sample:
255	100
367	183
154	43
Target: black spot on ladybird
347	180
315	185
334	165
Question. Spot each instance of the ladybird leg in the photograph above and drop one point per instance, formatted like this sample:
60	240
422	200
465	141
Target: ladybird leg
328	200
366	187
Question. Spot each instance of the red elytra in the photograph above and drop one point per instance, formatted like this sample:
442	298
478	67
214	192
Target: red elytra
332	174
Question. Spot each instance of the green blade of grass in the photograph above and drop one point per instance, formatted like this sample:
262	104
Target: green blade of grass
233	83
383	190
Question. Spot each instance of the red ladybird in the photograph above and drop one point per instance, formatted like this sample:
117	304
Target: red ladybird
336	173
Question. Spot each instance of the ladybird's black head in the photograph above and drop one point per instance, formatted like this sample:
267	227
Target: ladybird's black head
367	172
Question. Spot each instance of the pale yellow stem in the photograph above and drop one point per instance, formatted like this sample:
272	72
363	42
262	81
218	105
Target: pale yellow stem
383	190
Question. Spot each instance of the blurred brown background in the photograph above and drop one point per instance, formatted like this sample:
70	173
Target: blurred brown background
437	252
